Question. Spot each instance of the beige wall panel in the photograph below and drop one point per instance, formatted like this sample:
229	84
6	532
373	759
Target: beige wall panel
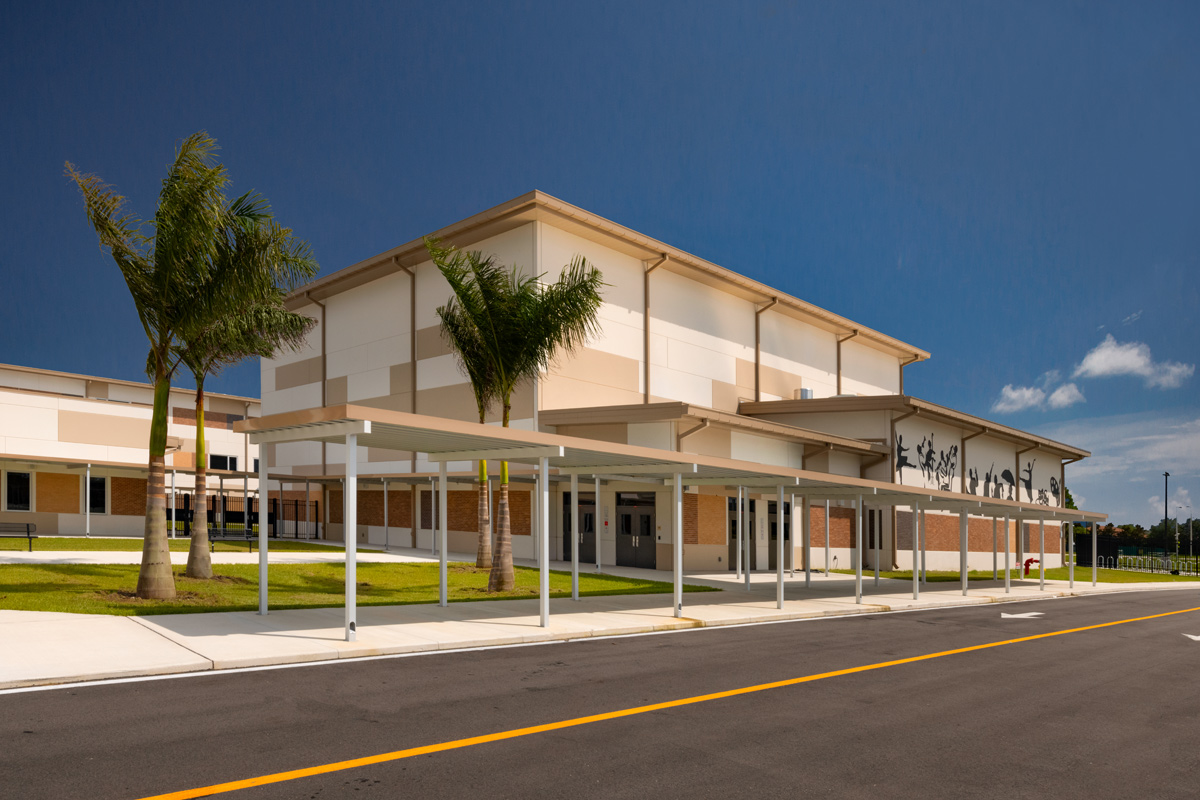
745	375
298	373
58	492
709	442
401	378
378	454
778	382
561	392
867	371
451	402
335	391
594	366
706	557
391	402
103	429
727	396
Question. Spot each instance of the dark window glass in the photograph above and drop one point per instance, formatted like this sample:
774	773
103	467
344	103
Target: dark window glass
233	463
256	465
97	503
18	491
222	462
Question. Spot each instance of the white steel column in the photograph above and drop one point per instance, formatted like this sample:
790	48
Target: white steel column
858	550
826	538
307	507
1071	562
1007	568
543	543
779	523
1094	558
576	537
924	571
677	542
791	550
443	589
747	539
174	499
349	529
245	497
262	538
387	543
738	533
536	505
1042	554
995	557
432	515
87	502
877	522
806	532
596	522
916	572
962	549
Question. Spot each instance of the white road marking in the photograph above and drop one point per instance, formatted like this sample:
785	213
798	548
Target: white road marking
1193	638
1028	615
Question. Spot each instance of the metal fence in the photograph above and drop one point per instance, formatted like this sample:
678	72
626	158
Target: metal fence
291	519
1111	554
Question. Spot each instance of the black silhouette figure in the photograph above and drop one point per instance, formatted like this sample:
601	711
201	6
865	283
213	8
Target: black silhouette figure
1043	498
1028	481
901	459
947	464
928	460
1011	481
1056	491
973	482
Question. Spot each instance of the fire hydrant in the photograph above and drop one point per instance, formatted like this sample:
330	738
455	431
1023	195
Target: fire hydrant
1028	562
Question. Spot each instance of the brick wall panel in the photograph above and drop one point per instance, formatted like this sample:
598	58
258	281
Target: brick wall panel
128	496
58	493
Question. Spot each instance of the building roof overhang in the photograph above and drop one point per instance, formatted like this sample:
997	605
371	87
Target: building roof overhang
675	411
539	206
447	440
908	404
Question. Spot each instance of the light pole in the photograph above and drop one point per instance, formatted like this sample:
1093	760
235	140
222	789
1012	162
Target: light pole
1166	513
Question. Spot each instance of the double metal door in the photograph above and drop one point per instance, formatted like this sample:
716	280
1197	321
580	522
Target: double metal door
636	545
751	527
587	532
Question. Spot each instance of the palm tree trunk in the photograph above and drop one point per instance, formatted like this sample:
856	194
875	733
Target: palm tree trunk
199	564
501	578
155	579
483	556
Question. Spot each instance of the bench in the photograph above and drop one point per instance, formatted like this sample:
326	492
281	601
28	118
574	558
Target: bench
18	530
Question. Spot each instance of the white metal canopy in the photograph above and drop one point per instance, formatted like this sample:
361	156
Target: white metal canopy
446	440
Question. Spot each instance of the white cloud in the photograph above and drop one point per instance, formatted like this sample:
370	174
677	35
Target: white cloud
1111	358
1018	398
1180	504
1066	395
1132	318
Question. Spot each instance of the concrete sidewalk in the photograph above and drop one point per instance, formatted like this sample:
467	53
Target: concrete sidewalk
49	648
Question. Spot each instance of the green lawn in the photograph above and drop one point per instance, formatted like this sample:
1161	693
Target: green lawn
1082	574
108	588
177	545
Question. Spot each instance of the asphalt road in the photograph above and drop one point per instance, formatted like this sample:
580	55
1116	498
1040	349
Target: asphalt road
1111	712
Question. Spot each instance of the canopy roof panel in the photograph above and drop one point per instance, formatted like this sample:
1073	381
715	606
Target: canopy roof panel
454	440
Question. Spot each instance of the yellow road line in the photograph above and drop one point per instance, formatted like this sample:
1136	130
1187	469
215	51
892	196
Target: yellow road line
337	766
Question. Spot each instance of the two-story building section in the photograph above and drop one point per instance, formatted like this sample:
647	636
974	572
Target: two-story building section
691	358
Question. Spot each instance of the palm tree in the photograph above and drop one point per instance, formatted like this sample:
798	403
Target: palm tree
162	261
463	337
257	328
521	326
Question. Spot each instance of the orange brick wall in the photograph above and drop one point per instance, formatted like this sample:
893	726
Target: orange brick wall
941	533
128	496
703	519
841	526
58	493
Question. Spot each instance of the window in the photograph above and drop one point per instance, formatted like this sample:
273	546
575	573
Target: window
222	462
256	466
98	496
17	494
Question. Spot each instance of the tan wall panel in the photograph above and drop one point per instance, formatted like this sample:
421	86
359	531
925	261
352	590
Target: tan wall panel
335	391
400	376
777	382
298	373
58	492
559	391
378	454
710	442
745	374
391	402
617	433
450	402
431	343
84	428
596	366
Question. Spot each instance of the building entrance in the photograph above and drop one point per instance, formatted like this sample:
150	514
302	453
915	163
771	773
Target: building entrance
587	524
636	531
751	527
787	534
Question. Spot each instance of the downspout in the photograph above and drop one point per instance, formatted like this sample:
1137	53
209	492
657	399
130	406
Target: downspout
841	339
758	347
308	296
904	364
962	478
412	350
646	325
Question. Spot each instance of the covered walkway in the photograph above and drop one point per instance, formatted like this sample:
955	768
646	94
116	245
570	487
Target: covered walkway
447	442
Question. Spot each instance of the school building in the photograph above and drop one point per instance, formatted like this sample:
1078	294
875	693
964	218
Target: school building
74	451
779	402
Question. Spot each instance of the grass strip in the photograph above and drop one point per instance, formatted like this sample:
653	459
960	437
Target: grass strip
108	588
1082	574
47	543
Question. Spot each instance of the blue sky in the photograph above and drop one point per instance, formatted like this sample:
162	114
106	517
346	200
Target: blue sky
1003	184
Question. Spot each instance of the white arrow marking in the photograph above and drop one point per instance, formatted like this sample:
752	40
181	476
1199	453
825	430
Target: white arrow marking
1028	615
1193	638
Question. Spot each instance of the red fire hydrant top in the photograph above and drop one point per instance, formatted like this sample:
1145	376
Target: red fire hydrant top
1028	562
